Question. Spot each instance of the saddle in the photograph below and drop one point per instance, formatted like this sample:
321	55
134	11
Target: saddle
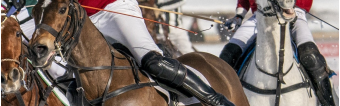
174	96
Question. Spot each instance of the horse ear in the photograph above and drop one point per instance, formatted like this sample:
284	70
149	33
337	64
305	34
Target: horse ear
37	11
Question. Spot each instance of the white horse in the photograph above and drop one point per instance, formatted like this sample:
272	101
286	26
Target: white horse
261	87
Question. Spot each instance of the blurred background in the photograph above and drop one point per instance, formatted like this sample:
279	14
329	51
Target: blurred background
213	40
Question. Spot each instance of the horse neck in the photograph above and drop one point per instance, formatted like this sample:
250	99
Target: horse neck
268	44
91	51
91	48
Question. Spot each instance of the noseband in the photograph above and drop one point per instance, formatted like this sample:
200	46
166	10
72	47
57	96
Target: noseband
65	42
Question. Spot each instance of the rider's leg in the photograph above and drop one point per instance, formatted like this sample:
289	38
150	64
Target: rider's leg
178	37
300	30
316	67
312	60
242	39
174	74
230	53
132	33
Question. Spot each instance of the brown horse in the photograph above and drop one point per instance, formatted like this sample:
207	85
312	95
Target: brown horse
13	66
91	50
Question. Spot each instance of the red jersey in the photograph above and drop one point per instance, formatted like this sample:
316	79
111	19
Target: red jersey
95	3
247	4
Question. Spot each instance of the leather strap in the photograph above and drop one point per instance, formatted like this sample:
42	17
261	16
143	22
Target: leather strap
273	91
266	14
86	69
281	60
276	74
123	90
46	93
19	97
110	79
48	28
25	20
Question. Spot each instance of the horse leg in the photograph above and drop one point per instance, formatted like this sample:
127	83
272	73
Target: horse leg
174	74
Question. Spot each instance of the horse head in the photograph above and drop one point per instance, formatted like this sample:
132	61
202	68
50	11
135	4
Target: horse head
282	9
270	15
55	30
11	72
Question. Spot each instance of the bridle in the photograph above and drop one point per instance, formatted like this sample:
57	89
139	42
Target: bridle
66	38
277	11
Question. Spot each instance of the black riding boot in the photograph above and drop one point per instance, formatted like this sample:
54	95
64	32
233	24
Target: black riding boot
317	69
174	74
231	53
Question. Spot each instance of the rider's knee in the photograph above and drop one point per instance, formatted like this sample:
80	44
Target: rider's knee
163	68
310	56
230	53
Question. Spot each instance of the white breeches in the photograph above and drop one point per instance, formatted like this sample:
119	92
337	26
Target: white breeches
301	32
245	35
127	30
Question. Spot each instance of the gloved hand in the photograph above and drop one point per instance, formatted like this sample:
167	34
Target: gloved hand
18	4
15	6
234	23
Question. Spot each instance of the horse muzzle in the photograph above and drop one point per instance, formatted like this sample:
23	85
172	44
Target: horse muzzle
286	4
288	14
10	82
41	56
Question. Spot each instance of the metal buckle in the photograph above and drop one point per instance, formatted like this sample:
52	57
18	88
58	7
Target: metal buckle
80	88
3	95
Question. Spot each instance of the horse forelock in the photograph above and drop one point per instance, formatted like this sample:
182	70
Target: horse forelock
46	3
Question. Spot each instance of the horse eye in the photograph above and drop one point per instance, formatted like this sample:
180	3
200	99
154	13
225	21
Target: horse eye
18	33
62	10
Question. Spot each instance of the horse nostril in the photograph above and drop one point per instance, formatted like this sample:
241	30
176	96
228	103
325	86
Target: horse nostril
40	50
14	74
3	79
